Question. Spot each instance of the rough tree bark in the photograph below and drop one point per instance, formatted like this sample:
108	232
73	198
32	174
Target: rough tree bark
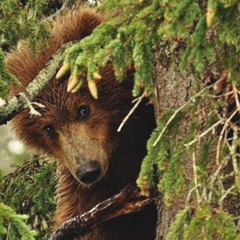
173	90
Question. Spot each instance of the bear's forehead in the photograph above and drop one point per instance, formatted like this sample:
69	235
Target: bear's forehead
58	102
56	94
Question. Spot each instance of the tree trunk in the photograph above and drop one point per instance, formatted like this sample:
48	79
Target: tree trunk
174	89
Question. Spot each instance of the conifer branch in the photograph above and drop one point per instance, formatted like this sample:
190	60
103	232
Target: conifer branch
126	202
19	102
66	4
8	215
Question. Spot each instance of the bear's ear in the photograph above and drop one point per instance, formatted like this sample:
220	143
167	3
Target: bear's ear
74	25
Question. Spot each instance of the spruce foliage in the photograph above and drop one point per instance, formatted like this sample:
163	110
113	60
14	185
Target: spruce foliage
30	191
21	20
16	223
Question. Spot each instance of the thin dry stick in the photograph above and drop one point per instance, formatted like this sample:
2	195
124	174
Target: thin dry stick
224	95
226	124
130	113
233	148
188	198
233	152
216	175
66	4
235	92
236	96
204	133
226	193
195	177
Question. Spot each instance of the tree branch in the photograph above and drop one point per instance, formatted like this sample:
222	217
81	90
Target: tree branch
22	100
127	201
66	4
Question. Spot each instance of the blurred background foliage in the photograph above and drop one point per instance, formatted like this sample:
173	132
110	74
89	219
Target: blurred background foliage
11	150
30	191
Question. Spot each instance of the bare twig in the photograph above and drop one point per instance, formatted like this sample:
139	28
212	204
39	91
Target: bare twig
130	112
236	96
195	176
66	4
23	99
226	125
233	153
126	202
204	133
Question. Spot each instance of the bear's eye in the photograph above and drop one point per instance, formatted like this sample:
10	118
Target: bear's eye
83	112
49	130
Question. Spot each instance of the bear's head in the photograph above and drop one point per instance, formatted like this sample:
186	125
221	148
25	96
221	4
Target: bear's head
76	129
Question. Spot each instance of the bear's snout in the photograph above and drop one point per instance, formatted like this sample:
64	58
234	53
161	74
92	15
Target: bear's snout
89	172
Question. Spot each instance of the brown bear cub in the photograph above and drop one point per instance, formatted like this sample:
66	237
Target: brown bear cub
94	160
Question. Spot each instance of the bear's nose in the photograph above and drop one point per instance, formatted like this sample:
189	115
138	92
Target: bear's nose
89	172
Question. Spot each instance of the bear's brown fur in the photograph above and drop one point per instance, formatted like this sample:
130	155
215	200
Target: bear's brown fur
76	130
